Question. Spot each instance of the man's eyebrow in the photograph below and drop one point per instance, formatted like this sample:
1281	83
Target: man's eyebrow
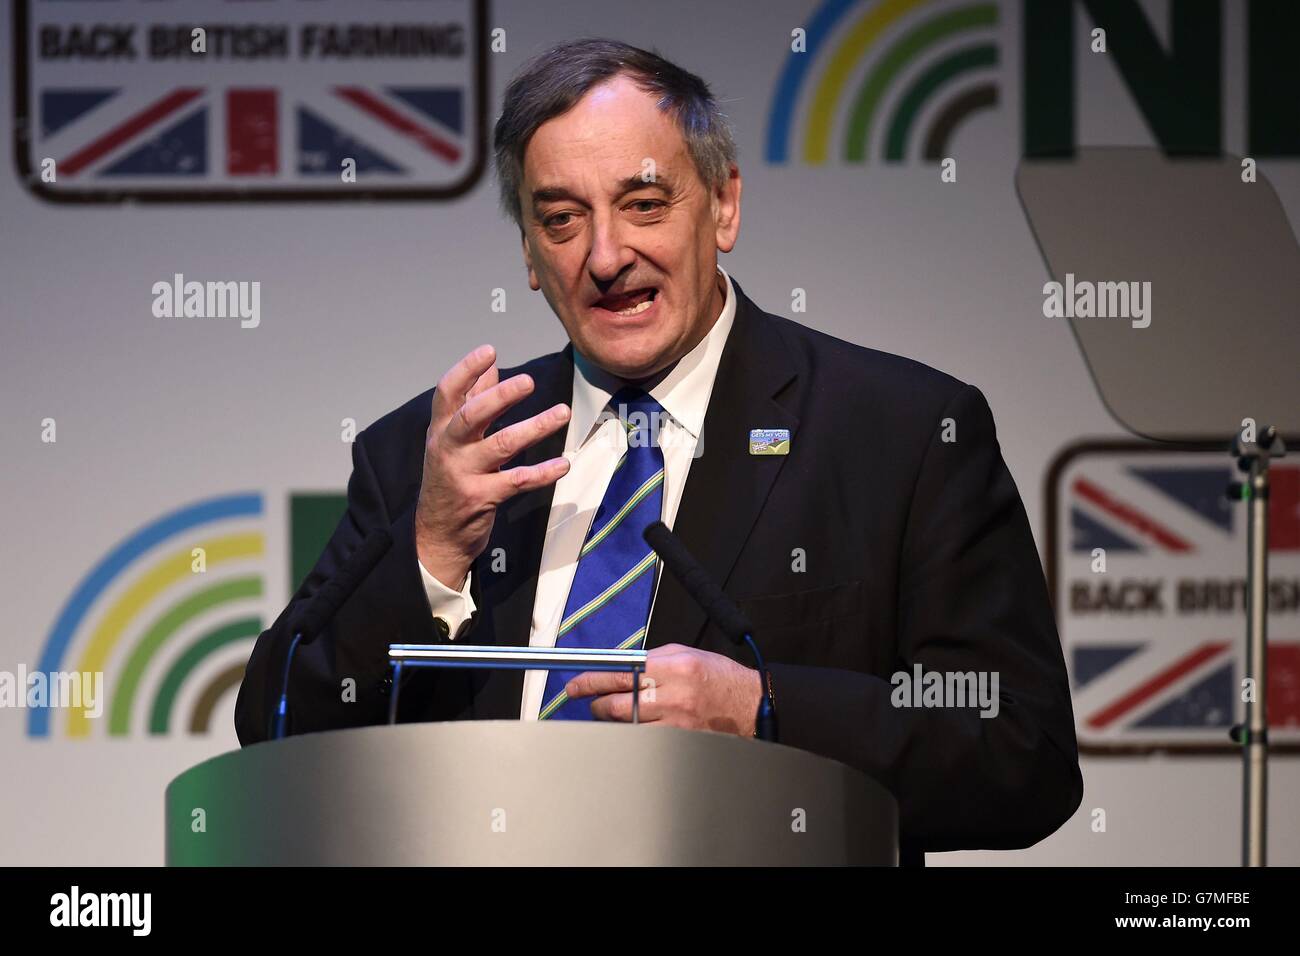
634	182
663	184
551	194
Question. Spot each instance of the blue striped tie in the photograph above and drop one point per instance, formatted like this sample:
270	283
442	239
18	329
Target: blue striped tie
609	600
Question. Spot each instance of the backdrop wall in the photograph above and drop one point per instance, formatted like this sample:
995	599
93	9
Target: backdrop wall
175	433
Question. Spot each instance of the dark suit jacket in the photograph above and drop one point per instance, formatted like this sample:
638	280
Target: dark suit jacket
872	546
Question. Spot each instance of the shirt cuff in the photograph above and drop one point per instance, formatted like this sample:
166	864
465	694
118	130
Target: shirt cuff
453	607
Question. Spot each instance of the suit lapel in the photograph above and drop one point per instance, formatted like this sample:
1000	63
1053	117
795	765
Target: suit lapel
727	487
505	597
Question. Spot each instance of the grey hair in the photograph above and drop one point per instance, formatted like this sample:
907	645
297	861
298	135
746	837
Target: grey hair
552	82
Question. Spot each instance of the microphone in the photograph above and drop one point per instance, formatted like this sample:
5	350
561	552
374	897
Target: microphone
325	603
719	608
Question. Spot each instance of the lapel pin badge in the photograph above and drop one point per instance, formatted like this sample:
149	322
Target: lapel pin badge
769	441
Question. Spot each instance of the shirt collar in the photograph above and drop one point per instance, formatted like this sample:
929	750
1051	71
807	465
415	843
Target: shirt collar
684	392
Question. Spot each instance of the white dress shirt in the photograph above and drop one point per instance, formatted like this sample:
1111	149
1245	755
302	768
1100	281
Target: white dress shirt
594	445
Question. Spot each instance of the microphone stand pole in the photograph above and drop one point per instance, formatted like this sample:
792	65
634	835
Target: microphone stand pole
1253	458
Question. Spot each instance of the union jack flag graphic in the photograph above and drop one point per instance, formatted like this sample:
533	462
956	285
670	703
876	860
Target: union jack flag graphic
1147	563
290	100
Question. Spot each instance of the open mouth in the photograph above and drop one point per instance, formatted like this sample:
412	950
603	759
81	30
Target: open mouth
628	303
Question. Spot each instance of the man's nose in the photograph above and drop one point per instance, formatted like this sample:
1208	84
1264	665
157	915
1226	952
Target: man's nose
610	253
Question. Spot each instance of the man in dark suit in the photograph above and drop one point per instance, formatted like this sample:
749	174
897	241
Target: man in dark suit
854	503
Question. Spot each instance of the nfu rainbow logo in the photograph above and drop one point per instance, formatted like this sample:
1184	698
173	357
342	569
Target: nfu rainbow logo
168	616
882	80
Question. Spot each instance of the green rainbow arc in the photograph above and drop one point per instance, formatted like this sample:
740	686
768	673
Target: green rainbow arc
904	50
188	662
909	107
160	631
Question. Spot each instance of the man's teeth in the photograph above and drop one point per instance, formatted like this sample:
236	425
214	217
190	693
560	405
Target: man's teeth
636	309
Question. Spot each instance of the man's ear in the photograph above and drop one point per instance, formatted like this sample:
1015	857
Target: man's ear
528	261
726	210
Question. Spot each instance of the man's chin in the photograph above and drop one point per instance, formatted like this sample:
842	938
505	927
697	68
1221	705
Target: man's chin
630	364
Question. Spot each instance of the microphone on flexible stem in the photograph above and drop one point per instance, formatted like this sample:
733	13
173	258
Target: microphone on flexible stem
719	608
325	603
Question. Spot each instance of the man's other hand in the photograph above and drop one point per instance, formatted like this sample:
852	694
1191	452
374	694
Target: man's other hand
681	687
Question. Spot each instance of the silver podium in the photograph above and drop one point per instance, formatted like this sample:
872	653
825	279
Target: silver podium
512	793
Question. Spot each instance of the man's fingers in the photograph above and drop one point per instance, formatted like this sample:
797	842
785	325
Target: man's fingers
472	419
460	378
517	480
619	707
485	381
501	446
591	683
